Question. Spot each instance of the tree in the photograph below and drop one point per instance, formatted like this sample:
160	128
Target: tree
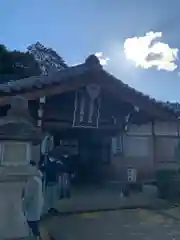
4	58
15	65
37	60
24	64
49	61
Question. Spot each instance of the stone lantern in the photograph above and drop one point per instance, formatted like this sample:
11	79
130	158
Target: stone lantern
17	135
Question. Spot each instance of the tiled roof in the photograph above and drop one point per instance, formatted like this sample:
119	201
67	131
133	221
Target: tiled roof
144	97
40	81
173	105
91	64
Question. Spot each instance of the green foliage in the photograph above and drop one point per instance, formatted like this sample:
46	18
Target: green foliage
168	183
3	49
16	65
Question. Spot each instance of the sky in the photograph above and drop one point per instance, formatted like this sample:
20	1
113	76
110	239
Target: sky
138	41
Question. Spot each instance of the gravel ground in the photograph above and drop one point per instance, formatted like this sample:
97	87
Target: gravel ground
125	224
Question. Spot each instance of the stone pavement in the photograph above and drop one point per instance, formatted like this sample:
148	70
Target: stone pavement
108	198
101	213
122	224
172	212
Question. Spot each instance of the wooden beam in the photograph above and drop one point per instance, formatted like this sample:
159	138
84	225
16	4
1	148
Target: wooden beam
60	126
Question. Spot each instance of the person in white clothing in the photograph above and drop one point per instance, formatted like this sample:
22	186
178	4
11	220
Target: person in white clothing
33	202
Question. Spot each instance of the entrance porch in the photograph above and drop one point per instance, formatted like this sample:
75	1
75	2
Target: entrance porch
89	150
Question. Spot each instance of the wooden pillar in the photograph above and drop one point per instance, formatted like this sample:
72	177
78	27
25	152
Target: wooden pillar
118	144
154	144
40	124
178	128
106	150
56	140
121	144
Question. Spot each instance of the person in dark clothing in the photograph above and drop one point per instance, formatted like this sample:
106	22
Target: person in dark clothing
67	167
65	177
51	169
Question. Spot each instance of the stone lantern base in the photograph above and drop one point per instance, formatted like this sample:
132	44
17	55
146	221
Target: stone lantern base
12	221
17	134
13	224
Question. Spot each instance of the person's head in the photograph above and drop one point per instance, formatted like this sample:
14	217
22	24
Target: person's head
32	163
52	159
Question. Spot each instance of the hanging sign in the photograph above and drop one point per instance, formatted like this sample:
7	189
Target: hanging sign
87	107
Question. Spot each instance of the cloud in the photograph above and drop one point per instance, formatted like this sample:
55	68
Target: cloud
103	60
147	52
